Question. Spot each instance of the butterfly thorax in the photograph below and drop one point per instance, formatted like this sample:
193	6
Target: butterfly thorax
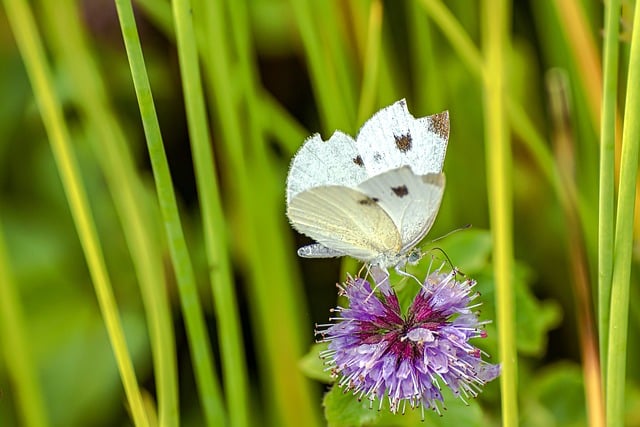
390	259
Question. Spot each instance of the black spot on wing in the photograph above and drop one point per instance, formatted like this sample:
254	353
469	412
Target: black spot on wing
400	191
368	201
358	161
439	124
403	142
377	157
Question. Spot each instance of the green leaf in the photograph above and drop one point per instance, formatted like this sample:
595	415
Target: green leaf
555	397
468	250
342	410
345	410
313	366
534	318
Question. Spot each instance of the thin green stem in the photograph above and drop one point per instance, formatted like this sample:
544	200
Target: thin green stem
607	168
30	45
279	123
520	122
289	399
623	243
159	12
17	353
337	55
272	237
275	119
496	35
230	331
112	150
427	88
564	149
205	375
457	36
325	81
370	67
585	54
389	84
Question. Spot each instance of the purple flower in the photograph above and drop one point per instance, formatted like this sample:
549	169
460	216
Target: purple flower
377	351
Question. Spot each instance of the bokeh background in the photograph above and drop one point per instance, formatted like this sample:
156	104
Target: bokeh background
274	72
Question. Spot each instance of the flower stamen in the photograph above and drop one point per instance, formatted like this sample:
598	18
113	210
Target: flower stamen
378	352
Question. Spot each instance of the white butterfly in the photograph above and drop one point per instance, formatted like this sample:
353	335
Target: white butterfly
373	198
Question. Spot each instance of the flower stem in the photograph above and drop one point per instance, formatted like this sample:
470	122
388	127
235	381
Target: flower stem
496	32
623	242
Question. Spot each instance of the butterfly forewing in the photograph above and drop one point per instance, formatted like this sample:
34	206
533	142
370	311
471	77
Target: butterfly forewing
320	163
393	138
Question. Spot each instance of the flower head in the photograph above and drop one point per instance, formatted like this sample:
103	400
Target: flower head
375	350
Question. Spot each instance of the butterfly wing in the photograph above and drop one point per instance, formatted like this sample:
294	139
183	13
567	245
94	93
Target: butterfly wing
411	201
316	250
321	163
392	138
345	221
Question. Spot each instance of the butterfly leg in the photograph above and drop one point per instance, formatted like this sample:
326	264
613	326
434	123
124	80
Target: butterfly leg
404	273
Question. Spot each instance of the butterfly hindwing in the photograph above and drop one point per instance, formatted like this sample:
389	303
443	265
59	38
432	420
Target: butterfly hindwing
344	220
316	250
411	201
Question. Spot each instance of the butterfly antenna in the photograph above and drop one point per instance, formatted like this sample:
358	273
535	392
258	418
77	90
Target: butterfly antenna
448	260
464	227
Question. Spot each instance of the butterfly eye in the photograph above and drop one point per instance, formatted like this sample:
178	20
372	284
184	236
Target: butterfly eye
414	256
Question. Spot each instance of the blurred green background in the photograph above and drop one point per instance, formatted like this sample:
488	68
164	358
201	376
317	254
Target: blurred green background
274	72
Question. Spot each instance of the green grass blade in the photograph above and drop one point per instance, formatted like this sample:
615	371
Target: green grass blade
623	243
230	331
453	31
261	237
30	45
205	374
607	168
15	345
427	88
324	75
159	12
279	124
585	54
564	150
495	19
388	86
519	121
370	67
70	43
